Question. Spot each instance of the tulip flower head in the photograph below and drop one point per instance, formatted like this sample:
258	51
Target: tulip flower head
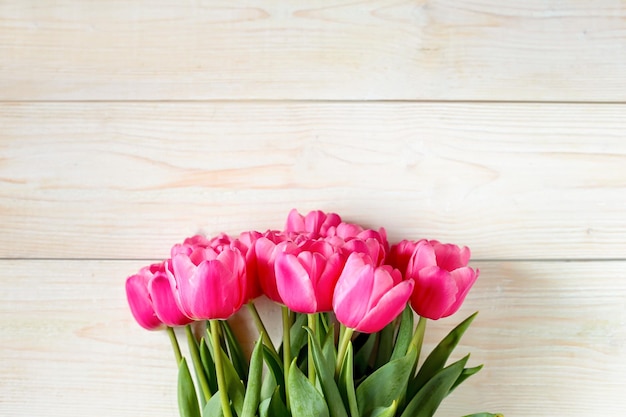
209	285
442	278
366	297
314	225
266	249
306	281
151	299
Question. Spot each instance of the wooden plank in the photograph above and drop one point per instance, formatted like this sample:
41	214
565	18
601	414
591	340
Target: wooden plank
104	180
382	49
551	336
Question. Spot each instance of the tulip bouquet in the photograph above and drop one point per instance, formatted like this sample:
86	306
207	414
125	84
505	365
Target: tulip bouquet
350	346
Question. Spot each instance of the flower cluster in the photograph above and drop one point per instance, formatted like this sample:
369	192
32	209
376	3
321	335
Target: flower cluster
323	272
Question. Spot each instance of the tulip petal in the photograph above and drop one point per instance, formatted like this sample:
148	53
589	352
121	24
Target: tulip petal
388	308
215	297
434	293
294	284
295	221
383	283
464	278
313	222
353	290
423	256
451	257
140	303
165	306
325	286
265	251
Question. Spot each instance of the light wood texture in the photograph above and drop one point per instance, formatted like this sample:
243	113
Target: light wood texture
128	180
127	126
384	49
551	336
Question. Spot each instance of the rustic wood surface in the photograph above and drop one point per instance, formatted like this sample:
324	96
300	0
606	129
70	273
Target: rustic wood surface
127	126
303	49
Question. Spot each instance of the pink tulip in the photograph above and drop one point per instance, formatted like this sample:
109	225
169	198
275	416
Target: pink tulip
442	278
367	298
140	302
401	253
151	298
354	238
306	281
315	224
246	245
266	249
162	289
209	285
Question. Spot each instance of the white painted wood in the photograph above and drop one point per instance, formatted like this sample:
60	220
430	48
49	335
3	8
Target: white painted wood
175	125
551	336
128	180
442	49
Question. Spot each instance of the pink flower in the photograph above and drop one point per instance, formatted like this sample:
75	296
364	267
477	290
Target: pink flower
401	253
246	245
354	238
140	302
151	299
442	278
209	285
367	298
315	224
266	249
306	281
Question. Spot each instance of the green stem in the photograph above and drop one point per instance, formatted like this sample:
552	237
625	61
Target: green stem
219	369
286	348
175	346
267	341
197	363
344	340
418	336
312	321
418	339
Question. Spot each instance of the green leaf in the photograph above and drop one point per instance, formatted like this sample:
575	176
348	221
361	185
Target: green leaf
346	383
329	352
268	386
297	334
466	373
304	399
236	389
385	411
327	381
213	407
187	398
427	400
405	333
274	406
385	345
275	365
209	366
236	353
438	357
253	390
386	385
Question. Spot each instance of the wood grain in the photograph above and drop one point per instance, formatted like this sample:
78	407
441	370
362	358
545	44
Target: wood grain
360	50
551	336
128	180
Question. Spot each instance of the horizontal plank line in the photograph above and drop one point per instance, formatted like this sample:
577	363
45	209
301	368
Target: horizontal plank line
313	101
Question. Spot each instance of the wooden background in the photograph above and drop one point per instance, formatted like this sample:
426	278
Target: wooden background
126	126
